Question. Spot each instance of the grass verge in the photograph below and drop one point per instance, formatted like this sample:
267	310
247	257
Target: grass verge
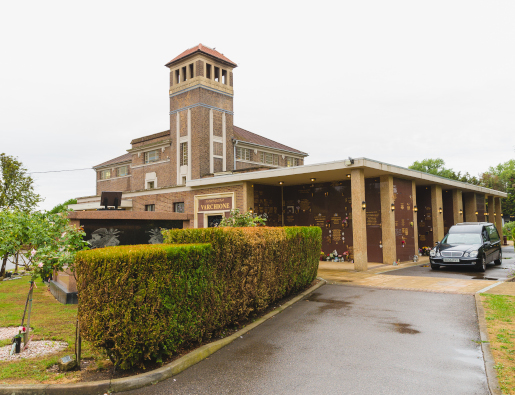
50	320
500	318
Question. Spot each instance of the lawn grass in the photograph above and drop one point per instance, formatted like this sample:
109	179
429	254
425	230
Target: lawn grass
50	320
500	318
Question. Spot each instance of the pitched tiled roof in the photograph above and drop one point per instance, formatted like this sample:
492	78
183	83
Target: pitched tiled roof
151	137
119	159
202	48
249	137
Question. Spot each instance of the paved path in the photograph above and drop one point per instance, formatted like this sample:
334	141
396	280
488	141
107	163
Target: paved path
349	340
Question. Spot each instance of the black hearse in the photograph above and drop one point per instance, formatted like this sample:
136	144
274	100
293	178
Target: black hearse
468	244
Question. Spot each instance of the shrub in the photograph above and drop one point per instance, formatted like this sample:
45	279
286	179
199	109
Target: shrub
508	228
240	220
143	302
256	266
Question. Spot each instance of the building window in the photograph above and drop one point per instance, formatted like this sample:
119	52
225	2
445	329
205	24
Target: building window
178	207
122	171
150	185
218	148
151	156
242	153
184	154
191	71
178	76
150	207
105	174
208	71
268	158
290	162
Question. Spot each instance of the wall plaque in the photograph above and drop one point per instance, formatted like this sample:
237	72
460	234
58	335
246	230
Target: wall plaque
215	204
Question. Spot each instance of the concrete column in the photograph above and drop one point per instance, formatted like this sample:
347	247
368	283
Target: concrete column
248	197
387	220
190	159
211	159
437	217
457	205
498	218
491	209
470	207
359	220
415	223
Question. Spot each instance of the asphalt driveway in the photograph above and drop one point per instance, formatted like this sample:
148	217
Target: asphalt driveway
349	340
493	272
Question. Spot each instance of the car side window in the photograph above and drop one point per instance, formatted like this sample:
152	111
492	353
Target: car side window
494	236
485	235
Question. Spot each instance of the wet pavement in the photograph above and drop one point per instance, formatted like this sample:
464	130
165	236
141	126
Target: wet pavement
349	340
493	272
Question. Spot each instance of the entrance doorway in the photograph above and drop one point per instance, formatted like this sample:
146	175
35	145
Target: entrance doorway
213	220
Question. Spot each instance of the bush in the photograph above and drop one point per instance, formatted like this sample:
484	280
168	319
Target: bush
508	228
143	302
256	266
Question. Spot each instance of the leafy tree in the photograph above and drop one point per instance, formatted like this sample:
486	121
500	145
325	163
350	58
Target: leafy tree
436	167
239	220
62	206
16	189
47	240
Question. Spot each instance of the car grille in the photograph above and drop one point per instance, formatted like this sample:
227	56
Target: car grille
452	254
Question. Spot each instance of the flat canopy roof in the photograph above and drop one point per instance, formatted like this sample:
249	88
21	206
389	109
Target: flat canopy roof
337	171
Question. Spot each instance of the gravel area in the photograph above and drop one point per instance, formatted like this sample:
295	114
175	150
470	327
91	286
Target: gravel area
9	332
35	349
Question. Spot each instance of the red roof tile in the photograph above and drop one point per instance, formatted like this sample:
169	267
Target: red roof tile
245	135
202	48
119	159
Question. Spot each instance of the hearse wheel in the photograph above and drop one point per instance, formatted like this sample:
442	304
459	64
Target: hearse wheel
498	261
481	264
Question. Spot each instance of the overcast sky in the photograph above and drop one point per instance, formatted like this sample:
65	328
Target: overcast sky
395	81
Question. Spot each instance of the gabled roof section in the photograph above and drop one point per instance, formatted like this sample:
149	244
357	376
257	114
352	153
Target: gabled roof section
151	137
205	50
253	138
120	159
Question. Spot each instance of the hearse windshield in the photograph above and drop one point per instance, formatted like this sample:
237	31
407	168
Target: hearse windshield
462	238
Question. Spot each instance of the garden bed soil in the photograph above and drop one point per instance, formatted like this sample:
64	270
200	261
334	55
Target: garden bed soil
90	371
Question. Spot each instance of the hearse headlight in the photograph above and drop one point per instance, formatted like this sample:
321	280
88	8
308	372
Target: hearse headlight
473	254
465	255
432	253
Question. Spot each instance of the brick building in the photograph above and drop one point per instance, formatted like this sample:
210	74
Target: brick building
204	166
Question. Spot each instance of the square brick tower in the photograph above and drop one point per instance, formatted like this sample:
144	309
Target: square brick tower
201	113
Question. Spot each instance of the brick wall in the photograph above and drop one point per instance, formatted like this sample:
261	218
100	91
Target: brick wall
165	201
120	184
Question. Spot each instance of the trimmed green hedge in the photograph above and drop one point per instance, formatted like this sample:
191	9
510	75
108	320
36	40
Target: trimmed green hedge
256	266
143	302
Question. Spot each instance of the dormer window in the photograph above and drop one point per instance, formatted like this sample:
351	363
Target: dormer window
105	174
290	162
122	171
151	156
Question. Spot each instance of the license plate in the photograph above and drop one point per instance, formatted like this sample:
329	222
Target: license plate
451	260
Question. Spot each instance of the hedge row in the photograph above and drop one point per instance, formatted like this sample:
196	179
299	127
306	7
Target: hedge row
254	266
143	302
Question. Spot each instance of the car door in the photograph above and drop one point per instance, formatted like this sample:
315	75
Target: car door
487	245
495	240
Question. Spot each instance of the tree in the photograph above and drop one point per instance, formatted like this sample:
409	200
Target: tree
16	189
238	219
62	206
